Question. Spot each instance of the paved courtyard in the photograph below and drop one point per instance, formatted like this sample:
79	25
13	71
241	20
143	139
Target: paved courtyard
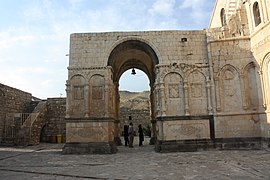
46	161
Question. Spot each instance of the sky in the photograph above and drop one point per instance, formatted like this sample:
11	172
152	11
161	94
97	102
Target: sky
34	35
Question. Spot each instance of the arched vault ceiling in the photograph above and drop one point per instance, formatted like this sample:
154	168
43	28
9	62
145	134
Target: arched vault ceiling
133	54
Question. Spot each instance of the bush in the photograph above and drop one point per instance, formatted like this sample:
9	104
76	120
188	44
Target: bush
147	131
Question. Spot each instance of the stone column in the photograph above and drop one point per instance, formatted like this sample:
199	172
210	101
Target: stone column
156	101
244	92
117	138
187	113
153	120
218	94
68	89
264	101
153	132
208	90
86	99
106	97
162	99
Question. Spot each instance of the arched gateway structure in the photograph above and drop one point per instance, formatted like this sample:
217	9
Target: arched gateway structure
199	96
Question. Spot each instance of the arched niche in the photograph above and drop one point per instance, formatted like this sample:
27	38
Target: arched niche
256	14
97	94
230	89
77	95
174	93
197	93
251	87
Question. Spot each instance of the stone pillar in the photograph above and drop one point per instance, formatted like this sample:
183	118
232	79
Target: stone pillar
265	88
162	99
106	97
218	94
87	99
208	90
264	102
187	113
153	132
68	99
156	101
117	138
244	92
153	120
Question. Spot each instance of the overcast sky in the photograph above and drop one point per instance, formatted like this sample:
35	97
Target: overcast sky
34	35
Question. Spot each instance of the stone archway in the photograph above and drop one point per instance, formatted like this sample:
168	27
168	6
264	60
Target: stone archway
134	54
189	107
92	108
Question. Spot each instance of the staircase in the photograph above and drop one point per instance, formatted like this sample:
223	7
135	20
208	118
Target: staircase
29	133
24	128
23	135
37	125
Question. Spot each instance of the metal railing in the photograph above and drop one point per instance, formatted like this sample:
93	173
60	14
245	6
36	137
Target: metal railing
14	122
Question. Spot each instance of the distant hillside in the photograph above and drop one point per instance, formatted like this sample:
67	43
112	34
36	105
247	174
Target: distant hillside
134	100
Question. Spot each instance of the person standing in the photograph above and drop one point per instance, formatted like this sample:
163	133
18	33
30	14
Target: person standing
131	135
126	135
141	136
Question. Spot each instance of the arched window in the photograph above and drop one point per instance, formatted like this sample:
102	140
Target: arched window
223	17
256	14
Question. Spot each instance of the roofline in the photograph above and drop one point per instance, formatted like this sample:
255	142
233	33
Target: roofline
213	14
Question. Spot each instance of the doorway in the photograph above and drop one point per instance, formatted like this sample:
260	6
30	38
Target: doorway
132	55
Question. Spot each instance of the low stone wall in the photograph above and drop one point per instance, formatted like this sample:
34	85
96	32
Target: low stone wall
136	117
55	120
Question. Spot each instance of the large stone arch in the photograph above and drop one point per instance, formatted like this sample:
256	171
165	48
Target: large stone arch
133	53
251	87
265	70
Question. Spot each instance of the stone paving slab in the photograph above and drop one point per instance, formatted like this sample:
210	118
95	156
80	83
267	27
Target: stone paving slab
46	161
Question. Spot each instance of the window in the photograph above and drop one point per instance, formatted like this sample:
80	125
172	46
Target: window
223	17
256	14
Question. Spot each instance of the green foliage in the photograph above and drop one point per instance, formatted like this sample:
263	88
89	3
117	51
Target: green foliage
147	131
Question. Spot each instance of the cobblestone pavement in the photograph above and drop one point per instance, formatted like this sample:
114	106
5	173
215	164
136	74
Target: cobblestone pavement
46	161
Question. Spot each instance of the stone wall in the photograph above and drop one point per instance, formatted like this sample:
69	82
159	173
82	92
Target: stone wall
12	100
257	49
93	49
205	75
260	47
136	117
55	120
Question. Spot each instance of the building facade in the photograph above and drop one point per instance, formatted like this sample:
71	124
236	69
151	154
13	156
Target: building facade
208	88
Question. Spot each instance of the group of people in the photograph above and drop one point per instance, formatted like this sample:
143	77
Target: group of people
129	134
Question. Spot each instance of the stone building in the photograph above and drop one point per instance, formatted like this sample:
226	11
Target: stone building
208	88
27	120
12	101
